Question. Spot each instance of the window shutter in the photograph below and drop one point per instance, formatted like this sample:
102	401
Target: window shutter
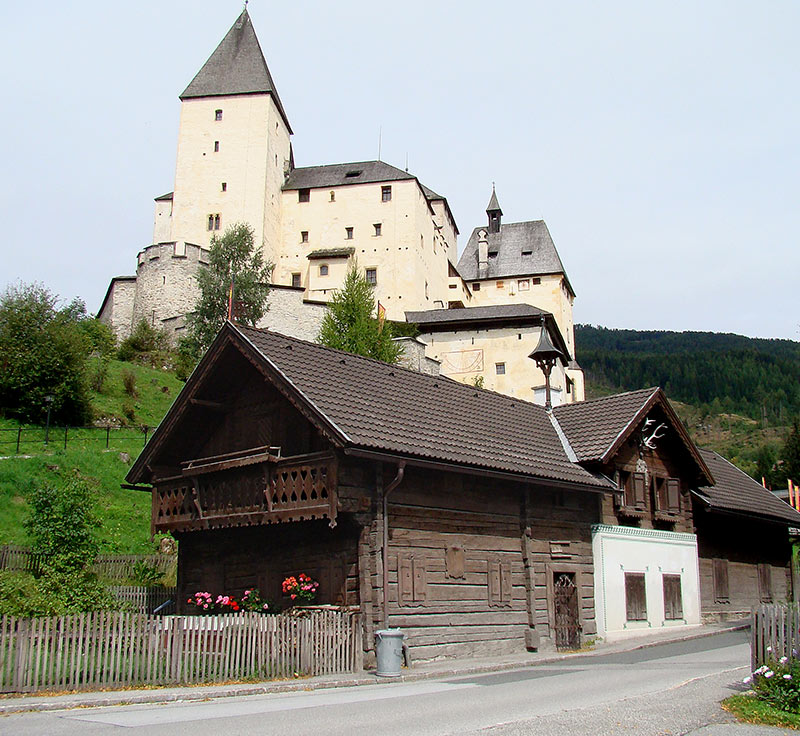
505	583
674	495
765	582
454	561
406	581
673	601
635	597
420	580
721	581
494	582
638	481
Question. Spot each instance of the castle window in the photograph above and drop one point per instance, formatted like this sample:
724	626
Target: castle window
303	195
296	279
524	284
224	186
536	281
476	286
386	194
500	369
217	114
353	174
216	146
492	254
304	236
211	222
216	222
500	284
372	276
348	233
323	269
527	252
333	196
377	227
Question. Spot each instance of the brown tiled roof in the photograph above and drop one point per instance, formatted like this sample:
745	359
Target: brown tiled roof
385	408
592	427
737	492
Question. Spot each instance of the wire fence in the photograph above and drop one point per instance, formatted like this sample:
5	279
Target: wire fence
31	440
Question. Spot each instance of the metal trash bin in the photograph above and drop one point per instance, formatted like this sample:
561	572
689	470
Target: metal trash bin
389	652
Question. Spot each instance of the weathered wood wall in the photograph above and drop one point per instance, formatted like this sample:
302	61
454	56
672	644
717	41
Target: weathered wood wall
233	560
744	544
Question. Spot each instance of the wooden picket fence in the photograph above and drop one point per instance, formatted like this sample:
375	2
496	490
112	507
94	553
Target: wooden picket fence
111	650
113	568
142	599
775	633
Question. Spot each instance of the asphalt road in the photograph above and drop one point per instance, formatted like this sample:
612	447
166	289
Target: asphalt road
666	689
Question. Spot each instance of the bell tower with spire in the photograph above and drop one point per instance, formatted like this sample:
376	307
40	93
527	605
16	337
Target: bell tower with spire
494	212
233	146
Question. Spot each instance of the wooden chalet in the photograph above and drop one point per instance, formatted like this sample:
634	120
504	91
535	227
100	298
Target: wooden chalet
477	522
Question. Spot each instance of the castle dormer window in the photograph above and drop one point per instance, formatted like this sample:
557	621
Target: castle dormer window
527	252
217	114
353	174
492	254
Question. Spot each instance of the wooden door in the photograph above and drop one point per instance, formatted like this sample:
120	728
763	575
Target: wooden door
565	611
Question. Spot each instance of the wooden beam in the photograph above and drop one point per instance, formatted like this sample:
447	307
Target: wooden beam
213	405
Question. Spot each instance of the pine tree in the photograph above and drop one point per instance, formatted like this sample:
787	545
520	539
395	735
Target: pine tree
350	323
231	257
790	454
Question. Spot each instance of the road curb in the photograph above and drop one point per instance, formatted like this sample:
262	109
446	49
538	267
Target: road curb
191	694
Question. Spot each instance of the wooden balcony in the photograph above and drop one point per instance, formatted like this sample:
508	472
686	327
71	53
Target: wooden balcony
246	489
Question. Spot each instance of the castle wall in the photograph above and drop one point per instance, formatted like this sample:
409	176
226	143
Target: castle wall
117	309
470	353
550	294
409	251
290	314
162	221
165	283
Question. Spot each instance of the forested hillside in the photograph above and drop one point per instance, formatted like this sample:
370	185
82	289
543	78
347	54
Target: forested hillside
715	372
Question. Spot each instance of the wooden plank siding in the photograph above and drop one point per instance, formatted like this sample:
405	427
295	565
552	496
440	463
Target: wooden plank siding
757	544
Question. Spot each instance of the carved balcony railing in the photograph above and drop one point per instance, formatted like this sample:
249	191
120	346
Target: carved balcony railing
246	489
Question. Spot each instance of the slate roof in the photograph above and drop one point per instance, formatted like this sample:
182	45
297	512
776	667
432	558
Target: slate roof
374	406
164	197
494	205
237	67
335	175
593	426
737	492
331	253
470	314
508	244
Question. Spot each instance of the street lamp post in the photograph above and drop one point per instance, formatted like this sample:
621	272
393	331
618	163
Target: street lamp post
49	401
545	355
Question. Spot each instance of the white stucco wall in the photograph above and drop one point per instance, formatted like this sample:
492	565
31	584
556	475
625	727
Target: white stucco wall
619	549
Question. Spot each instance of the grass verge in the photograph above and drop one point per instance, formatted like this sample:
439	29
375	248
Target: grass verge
750	709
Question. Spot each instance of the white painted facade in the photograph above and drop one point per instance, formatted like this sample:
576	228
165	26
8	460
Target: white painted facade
620	549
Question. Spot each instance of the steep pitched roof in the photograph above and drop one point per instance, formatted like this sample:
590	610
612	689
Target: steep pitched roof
372	406
593	427
237	67
520	248
472	314
494	205
334	175
735	491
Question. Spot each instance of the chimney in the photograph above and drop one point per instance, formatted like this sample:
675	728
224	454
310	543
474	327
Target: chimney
483	254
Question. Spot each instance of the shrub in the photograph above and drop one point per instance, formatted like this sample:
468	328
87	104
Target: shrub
146	344
43	353
98	374
146	574
129	382
129	411
778	683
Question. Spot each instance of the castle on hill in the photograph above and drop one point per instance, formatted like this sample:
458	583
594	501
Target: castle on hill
479	315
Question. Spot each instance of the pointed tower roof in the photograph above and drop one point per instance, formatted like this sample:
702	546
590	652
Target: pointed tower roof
494	205
237	67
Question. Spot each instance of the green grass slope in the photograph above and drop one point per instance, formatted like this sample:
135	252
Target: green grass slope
125	515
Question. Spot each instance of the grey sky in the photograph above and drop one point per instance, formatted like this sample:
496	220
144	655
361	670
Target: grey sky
658	140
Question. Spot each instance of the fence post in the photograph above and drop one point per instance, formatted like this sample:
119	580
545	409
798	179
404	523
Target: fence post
108	434
19	435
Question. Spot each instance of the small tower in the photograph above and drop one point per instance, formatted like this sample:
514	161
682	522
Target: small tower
494	212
